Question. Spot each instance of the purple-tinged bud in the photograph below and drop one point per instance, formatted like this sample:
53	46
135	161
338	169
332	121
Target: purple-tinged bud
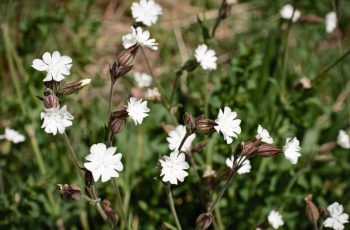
205	126
118	119
51	101
111	215
117	125
53	85
126	57
190	123
266	150
251	147
73	87
312	211
71	192
204	220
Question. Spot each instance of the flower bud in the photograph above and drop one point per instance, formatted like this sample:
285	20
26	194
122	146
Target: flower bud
51	101
88	178
311	209
111	215
118	119
205	126
266	150
73	87
53	85
204	220
71	192
189	66
117	125
251	147
126	57
190	123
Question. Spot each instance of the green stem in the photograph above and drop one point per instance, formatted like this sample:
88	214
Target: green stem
172	206
36	150
119	198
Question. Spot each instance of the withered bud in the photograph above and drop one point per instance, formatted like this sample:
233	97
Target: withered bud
111	215
311	209
205	126
88	178
71	192
190	123
51	101
204	220
118	119
122	64
251	147
266	150
73	87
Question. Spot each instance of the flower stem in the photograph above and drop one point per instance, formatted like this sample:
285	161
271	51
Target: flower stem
183	141
119	198
110	100
172	206
163	99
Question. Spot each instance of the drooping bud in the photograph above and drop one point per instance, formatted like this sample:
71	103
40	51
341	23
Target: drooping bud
118	119
204	220
311	209
251	147
51	101
71	192
205	126
266	150
190	123
122	64
111	215
73	87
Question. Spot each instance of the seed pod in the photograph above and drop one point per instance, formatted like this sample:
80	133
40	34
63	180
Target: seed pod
204	220
266	150
311	209
73	87
51	101
205	126
190	123
71	192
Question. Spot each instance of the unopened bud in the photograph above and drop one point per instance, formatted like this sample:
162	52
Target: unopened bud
88	178
51	101
189	66
73	87
205	126
311	209
111	216
204	220
118	119
126	57
251	147
190	123
266	150
71	192
53	85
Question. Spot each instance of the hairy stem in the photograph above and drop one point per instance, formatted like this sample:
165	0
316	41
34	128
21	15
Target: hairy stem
172	206
119	198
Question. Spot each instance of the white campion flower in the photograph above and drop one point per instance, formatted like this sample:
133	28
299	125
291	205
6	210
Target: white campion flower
287	11
343	139
102	162
331	22
275	219
337	217
146	11
55	65
13	136
292	150
245	168
137	110
173	167
142	38
206	57
227	124
175	137
264	135
143	80
56	119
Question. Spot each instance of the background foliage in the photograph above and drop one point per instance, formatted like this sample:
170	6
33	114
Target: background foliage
257	77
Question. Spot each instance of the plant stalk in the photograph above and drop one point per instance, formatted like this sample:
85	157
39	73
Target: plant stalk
172	206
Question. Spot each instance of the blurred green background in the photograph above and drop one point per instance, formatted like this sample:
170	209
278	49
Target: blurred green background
262	60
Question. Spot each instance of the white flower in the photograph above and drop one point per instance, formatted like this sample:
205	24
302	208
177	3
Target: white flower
337	217
146	11
103	163
275	219
331	22
292	150
227	124
245	168
142	38
153	94
206	57
343	139
137	110
55	65
173	167
12	135
143	79
264	135
175	137
287	11
56	119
